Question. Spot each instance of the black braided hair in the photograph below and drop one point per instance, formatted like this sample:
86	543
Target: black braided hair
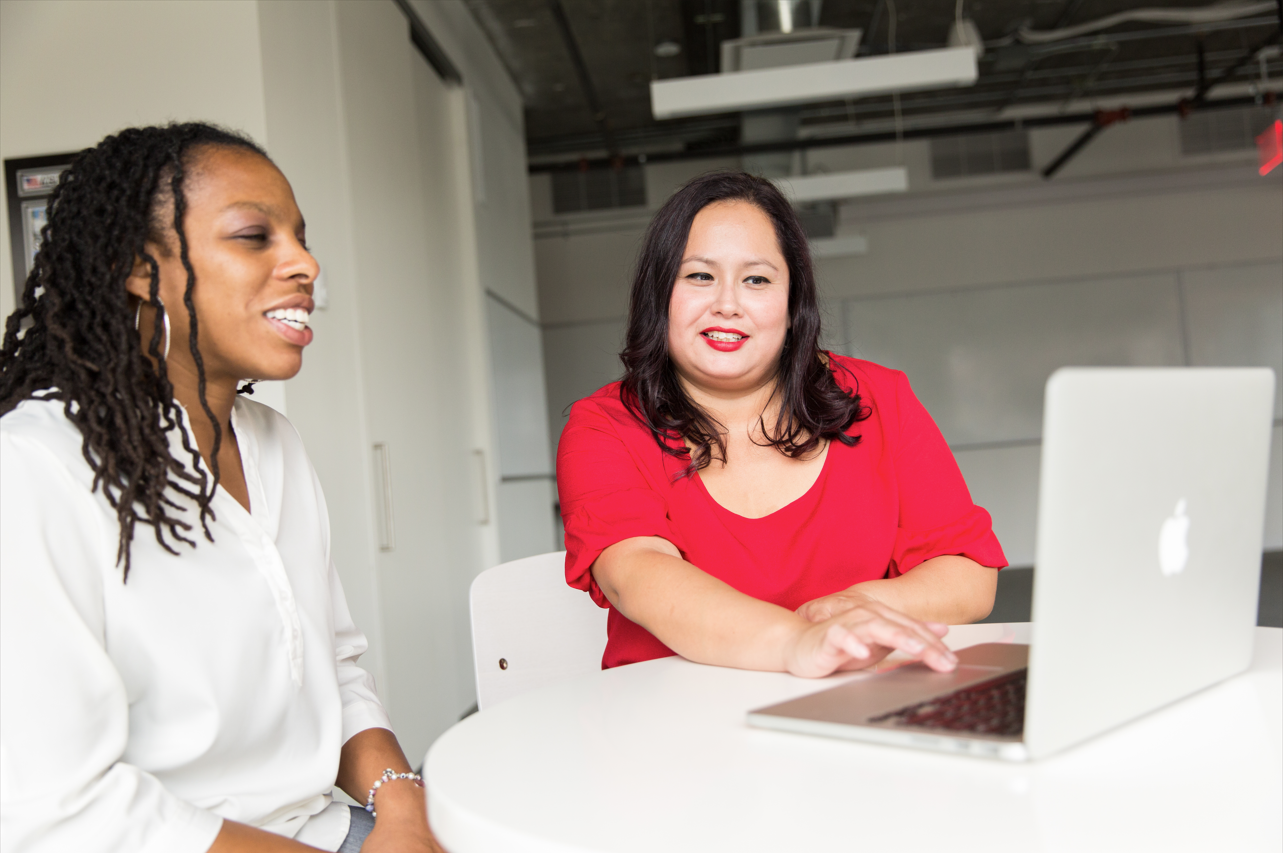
81	347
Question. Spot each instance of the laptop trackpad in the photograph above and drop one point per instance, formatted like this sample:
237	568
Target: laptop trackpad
857	701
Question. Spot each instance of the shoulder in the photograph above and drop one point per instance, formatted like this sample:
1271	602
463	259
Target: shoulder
270	427
43	424
865	377
601	426
604	409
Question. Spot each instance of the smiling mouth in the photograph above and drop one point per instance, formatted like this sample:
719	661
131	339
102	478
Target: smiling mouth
295	318
724	337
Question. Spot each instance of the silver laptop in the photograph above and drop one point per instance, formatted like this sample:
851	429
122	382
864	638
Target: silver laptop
1150	523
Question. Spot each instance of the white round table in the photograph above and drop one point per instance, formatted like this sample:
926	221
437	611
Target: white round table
657	756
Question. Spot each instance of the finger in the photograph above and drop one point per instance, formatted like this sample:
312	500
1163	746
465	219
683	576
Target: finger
811	612
933	652
844	640
929	633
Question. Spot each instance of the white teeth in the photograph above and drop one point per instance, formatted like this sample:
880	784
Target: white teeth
295	318
724	337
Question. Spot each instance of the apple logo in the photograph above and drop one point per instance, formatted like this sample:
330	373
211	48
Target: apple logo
1173	549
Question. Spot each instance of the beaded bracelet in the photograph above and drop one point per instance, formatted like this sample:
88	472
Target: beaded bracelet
389	775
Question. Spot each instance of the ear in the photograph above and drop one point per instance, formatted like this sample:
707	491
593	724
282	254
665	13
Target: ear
139	282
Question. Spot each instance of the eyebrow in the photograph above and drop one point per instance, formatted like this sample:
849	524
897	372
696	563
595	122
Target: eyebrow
265	209
754	262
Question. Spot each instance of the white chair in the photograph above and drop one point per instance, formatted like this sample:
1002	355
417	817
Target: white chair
530	629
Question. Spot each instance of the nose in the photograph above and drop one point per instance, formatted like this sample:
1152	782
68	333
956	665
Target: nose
726	300
299	264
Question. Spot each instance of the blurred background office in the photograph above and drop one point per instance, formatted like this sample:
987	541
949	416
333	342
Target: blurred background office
1015	185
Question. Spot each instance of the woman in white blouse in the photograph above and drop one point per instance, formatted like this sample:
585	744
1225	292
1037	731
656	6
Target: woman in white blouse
178	666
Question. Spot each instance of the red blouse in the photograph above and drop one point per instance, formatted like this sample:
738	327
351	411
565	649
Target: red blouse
876	510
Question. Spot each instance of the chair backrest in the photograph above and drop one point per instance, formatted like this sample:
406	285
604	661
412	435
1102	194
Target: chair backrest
530	629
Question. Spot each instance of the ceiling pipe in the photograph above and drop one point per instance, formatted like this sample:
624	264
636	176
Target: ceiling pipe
724	151
1103	119
585	80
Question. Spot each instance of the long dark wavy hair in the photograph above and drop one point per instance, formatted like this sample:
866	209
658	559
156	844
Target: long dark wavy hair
812	408
81	346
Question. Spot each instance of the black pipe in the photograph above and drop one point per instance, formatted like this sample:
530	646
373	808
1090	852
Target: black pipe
585	80
1074	147
1202	65
722	151
1183	106
1200	94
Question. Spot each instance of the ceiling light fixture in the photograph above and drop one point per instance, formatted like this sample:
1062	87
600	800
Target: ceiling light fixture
818	81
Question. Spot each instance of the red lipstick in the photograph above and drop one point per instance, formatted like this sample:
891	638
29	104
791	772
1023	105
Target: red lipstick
723	345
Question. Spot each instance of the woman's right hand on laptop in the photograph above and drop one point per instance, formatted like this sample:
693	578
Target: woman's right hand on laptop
861	637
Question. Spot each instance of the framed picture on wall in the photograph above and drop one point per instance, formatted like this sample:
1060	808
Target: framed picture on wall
28	183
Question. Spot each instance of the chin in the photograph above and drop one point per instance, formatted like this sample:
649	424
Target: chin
277	372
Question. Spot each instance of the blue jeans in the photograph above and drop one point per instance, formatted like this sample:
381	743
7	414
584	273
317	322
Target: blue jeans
362	825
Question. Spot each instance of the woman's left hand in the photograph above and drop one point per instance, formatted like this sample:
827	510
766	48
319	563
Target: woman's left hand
402	822
828	606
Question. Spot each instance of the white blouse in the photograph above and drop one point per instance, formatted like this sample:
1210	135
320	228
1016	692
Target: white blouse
220	682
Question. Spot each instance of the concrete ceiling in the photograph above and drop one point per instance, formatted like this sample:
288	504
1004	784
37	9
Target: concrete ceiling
616	40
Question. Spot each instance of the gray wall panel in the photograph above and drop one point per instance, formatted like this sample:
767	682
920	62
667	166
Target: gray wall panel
1234	317
516	360
581	358
979	359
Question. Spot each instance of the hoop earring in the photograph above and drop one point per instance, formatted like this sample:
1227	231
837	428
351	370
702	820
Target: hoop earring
160	306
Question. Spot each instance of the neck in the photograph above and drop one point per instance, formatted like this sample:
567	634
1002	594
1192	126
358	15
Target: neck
738	408
220	391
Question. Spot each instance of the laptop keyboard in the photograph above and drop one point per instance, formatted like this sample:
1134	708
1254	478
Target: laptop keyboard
993	707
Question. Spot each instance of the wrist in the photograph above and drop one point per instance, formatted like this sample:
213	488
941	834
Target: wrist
396	794
795	636
865	592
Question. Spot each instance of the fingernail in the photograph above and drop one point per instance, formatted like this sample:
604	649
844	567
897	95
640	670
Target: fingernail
914	646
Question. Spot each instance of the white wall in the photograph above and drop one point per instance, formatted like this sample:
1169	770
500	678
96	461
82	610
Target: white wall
980	287
519	469
380	154
305	127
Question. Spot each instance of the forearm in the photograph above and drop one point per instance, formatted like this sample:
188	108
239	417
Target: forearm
364	758
401	807
950	589
694	614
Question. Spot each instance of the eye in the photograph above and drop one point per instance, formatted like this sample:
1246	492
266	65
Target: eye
253	236
757	279
700	276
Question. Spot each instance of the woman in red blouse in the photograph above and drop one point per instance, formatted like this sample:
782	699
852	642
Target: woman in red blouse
743	498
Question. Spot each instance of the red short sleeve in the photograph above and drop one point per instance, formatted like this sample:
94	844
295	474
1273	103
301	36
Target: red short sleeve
606	496
937	516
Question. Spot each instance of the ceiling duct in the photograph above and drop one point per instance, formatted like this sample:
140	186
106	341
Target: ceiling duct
779	33
776	50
